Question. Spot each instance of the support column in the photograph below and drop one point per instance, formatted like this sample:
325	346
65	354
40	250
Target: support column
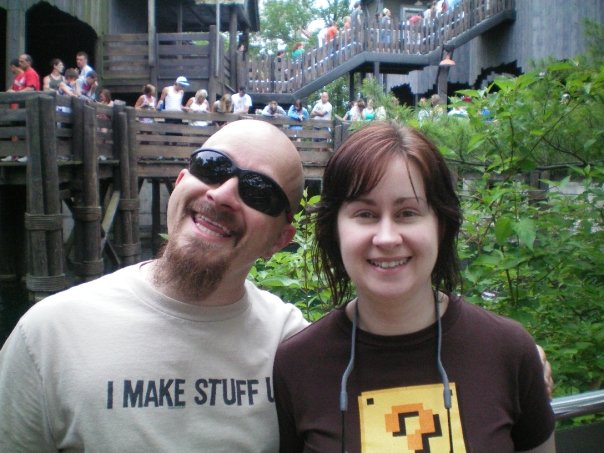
233	46
43	219
15	33
88	263
152	41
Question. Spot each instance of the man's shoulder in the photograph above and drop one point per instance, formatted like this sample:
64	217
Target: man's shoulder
275	308
264	296
85	296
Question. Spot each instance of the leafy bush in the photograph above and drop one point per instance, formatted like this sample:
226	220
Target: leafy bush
531	248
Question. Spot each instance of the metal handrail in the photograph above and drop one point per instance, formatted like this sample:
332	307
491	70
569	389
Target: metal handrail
566	407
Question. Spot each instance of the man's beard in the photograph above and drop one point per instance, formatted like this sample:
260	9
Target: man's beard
190	269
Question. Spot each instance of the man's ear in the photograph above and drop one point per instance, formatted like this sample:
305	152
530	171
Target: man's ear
181	175
285	237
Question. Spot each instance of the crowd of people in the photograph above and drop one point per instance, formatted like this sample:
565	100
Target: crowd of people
80	81
390	32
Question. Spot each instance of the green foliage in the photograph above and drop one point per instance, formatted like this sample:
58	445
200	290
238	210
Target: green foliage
531	243
529	163
334	10
290	273
282	19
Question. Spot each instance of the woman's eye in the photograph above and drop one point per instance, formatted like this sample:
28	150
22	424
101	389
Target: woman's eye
364	214
408	213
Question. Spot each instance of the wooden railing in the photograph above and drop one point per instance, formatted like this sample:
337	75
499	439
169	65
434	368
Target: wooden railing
269	74
151	135
126	60
93	159
582	438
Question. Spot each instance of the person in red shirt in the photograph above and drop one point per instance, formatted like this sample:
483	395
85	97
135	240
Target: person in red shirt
18	76
32	79
331	33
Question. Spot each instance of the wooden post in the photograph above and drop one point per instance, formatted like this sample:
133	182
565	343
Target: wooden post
212	82
134	186
442	77
376	70
272	74
88	263
125	223
233	45
155	215
77	118
152	41
242	71
43	220
118	137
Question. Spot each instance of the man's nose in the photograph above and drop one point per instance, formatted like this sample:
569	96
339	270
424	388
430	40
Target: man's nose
226	194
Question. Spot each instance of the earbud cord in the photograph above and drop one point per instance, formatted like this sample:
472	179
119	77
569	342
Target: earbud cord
439	365
349	368
441	369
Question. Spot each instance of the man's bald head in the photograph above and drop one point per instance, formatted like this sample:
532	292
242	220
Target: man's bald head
260	146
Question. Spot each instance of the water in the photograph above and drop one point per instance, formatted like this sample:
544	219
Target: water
13	303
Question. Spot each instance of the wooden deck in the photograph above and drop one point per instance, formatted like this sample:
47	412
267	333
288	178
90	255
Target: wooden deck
93	159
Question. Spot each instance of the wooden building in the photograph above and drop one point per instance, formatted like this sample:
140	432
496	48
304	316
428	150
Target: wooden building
131	42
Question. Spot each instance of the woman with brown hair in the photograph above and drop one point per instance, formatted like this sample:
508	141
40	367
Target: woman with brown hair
403	363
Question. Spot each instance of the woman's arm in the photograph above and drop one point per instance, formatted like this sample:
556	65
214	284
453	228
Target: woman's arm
549	446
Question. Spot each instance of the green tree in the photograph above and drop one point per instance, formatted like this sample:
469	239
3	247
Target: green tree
334	11
284	20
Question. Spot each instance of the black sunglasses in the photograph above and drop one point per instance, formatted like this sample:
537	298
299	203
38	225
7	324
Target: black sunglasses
258	191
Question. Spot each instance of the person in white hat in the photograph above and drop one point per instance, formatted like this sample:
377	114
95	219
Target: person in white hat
171	97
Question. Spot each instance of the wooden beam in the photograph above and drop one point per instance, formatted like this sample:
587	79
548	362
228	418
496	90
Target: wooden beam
152	40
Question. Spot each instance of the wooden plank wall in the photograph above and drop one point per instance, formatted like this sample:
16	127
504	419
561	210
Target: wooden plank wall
126	61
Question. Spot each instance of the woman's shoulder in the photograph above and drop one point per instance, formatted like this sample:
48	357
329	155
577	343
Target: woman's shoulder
318	333
492	324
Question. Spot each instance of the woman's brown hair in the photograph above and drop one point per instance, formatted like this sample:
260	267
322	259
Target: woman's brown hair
355	169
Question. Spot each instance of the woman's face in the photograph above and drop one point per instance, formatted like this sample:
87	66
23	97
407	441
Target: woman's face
389	237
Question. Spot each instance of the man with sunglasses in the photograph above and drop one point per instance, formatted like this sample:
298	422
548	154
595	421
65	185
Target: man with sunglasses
173	354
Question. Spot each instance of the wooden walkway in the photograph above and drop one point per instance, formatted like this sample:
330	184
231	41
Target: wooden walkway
94	159
130	60
397	49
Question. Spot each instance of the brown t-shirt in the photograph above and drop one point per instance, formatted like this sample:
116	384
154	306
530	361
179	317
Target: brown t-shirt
395	393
